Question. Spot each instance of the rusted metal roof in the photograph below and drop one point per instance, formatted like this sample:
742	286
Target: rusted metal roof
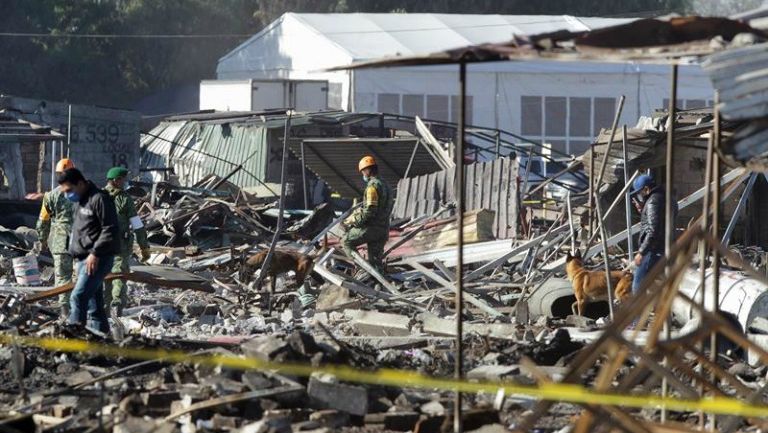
650	40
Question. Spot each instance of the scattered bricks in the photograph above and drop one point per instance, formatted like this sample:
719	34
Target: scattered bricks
332	296
579	321
220	422
347	398
78	377
265	347
379	324
255	380
61	411
330	418
134	424
433	408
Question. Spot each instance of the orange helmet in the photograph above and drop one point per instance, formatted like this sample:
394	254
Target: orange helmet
366	162
64	164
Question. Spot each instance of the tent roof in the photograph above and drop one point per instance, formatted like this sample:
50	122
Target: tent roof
370	35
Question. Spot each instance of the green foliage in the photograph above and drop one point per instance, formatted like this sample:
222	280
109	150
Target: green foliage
118	71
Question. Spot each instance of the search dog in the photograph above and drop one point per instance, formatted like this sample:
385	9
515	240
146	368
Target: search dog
282	261
590	286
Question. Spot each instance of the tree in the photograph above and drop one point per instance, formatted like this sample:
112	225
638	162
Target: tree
119	71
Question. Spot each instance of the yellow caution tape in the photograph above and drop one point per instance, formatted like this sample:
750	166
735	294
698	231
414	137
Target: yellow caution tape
568	393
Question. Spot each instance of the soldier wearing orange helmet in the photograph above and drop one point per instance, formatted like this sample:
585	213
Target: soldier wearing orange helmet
370	223
54	227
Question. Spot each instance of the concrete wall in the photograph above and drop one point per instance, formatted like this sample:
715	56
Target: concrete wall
101	137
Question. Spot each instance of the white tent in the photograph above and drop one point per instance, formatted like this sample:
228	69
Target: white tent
562	103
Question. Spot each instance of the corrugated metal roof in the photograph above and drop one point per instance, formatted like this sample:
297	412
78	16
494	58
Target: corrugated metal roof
648	40
13	130
741	77
194	150
371	35
335	160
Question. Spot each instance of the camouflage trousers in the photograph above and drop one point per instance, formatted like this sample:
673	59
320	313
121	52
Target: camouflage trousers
374	237
116	291
63	265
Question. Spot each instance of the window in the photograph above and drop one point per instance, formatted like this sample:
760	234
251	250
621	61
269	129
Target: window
334	95
389	103
687	104
437	107
567	124
413	105
531	118
554	116
580	110
605	110
455	109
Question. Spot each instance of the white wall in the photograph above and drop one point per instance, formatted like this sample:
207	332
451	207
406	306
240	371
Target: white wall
230	95
289	49
497	90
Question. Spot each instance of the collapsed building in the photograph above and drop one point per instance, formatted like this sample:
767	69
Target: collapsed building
209	191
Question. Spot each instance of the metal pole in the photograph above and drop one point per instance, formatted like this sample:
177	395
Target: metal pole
739	208
410	161
528	163
591	203
604	161
668	216
69	130
498	144
703	244
715	234
53	164
281	208
627	198
458	426
604	242
304	176
570	221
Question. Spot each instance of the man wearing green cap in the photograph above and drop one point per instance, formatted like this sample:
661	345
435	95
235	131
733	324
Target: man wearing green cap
129	223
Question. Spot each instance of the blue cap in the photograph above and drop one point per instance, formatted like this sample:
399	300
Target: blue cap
641	182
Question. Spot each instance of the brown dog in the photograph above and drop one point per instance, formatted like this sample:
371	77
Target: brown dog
592	285
282	262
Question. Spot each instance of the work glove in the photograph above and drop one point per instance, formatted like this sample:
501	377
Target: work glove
145	254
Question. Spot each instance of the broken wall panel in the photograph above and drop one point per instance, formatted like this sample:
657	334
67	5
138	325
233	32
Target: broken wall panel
489	185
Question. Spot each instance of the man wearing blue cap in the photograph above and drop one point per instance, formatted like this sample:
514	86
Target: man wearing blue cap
652	226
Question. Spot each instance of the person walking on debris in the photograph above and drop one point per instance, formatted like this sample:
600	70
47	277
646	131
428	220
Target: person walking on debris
94	244
54	226
370	223
129	224
652	226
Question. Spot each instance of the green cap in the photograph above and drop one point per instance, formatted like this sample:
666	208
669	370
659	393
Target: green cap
116	172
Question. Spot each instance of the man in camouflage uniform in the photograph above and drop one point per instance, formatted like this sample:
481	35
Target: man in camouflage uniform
54	227
129	223
370	223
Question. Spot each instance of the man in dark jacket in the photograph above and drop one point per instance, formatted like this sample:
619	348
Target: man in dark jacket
93	244
652	226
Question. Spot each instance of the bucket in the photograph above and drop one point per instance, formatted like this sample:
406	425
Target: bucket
25	270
